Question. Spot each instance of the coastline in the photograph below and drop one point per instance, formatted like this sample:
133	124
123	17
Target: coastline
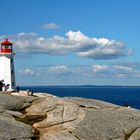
44	116
116	95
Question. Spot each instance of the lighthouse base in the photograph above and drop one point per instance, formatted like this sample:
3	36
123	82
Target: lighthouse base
7	73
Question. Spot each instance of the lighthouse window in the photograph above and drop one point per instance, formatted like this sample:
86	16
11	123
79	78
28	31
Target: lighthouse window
6	47
3	47
9	47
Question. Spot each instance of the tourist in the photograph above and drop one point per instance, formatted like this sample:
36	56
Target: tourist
28	92
1	85
7	87
32	92
17	89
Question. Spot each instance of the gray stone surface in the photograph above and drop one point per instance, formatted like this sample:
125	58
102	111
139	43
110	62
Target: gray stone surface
66	119
135	134
14	113
11	129
85	119
57	135
12	102
91	103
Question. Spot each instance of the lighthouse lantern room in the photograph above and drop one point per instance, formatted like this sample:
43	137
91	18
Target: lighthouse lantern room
7	72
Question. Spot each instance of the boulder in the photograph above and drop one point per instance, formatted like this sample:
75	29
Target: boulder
84	119
16	103
10	129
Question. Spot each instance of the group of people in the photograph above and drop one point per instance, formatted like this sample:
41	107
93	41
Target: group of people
3	86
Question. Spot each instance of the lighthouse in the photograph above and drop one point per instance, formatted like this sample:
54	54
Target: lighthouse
7	72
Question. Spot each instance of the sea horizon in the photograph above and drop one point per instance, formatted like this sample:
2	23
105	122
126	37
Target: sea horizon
79	85
120	95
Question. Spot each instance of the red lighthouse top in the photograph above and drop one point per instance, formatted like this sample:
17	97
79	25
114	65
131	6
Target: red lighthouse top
6	42
6	47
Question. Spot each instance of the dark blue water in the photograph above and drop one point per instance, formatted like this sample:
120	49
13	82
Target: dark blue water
120	95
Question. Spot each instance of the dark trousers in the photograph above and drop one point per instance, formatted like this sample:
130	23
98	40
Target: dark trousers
0	88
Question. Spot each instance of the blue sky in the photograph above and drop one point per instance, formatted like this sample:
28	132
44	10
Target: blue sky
73	42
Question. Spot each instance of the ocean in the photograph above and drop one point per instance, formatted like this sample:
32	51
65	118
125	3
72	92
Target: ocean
120	95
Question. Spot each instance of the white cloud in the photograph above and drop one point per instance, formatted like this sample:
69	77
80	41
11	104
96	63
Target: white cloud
80	73
50	26
27	72
115	71
73	42
106	49
99	68
124	69
77	36
133	64
58	69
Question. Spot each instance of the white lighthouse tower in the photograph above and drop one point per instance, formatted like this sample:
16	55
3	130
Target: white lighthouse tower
7	72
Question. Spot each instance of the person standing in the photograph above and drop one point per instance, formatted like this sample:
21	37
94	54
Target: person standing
1	85
17	89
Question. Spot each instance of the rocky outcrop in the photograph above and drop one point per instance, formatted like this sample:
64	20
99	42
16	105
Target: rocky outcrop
17	103
10	128
54	118
84	119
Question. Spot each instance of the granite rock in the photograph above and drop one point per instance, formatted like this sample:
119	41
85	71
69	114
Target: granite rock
10	129
68	118
17	103
84	119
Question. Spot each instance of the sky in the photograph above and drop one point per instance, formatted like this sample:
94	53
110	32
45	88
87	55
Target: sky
73	42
